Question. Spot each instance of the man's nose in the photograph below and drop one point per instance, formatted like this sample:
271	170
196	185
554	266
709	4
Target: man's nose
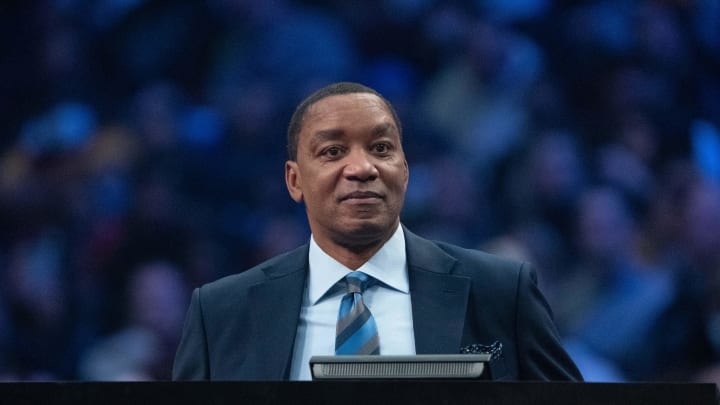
360	167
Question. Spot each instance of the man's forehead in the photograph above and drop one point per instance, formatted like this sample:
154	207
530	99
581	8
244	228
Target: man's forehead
336	103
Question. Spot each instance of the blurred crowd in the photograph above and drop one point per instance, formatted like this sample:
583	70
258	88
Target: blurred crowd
143	144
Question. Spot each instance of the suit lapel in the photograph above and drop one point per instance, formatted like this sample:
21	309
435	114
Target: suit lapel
275	319
439	302
439	298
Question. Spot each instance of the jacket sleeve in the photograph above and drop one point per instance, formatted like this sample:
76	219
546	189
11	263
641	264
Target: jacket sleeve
540	352
191	359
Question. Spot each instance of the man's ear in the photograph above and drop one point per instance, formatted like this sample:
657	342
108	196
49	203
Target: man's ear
407	173
293	181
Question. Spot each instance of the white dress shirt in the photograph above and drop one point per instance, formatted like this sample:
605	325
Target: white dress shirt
388	301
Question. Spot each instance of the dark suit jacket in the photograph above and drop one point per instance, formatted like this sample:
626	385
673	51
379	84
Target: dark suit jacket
243	327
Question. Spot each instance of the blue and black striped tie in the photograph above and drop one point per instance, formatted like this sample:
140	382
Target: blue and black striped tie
356	332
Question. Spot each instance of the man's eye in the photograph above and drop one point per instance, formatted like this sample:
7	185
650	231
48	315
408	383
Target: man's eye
381	148
332	151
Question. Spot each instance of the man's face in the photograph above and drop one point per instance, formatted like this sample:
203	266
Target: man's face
350	170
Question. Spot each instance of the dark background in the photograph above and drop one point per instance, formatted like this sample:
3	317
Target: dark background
142	147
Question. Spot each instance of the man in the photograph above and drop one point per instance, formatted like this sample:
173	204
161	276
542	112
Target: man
346	163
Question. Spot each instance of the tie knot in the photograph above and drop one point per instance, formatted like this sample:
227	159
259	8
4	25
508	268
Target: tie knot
357	282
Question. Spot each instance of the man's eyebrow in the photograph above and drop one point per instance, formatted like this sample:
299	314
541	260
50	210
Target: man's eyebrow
384	129
336	133
327	135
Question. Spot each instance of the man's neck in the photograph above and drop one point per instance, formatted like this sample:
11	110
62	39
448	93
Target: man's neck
353	254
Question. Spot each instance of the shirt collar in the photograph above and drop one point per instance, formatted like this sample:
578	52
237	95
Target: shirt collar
388	265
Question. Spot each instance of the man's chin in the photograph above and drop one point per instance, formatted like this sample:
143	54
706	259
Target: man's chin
367	232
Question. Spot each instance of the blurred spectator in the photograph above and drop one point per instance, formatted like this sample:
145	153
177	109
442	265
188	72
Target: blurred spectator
644	322
700	214
539	193
145	346
477	99
38	307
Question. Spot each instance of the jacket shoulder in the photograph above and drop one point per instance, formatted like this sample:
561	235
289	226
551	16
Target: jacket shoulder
430	255
277	266
481	258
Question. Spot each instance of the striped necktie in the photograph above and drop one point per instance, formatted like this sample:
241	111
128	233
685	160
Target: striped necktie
356	332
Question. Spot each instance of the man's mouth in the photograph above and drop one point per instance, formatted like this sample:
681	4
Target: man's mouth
361	195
